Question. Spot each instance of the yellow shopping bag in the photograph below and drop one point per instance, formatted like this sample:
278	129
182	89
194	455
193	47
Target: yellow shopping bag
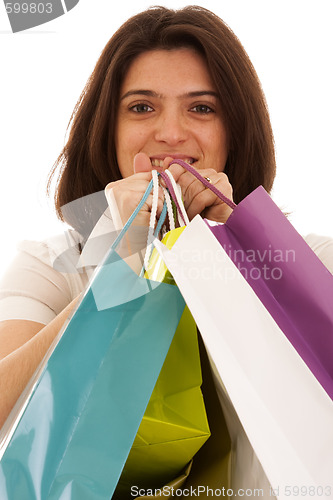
174	426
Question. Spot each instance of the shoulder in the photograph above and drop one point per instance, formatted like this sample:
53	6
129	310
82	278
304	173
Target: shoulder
42	278
64	247
323	248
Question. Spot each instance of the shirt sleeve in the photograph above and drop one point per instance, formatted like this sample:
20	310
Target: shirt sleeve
323	248
33	288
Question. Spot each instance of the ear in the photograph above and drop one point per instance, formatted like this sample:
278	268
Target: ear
142	163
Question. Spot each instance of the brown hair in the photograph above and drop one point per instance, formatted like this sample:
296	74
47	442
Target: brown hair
88	161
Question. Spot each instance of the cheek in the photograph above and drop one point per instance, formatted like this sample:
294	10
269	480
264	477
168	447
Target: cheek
220	146
122	150
131	137
121	133
215	138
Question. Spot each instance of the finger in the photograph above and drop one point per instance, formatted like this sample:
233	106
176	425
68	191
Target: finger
167	162
208	204
200	202
142	163
220	182
176	170
192	186
149	204
130	181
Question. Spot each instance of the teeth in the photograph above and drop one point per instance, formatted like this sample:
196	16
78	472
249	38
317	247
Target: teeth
159	163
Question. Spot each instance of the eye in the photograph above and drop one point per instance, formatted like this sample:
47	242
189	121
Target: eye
141	108
203	109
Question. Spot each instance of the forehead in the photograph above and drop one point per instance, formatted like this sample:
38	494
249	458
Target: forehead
168	71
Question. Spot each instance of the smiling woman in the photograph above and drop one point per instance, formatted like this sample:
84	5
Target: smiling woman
176	116
157	52
165	117
169	84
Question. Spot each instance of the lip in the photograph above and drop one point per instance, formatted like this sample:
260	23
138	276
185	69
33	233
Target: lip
174	156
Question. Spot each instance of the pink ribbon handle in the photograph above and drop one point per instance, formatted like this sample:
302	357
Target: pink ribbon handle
206	183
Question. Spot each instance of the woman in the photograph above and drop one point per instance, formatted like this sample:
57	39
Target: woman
169	84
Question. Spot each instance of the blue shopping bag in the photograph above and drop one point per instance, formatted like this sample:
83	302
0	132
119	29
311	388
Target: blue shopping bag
78	424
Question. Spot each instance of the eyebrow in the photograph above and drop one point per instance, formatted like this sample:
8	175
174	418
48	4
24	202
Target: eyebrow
151	93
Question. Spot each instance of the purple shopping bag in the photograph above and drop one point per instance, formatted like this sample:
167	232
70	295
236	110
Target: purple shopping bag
287	276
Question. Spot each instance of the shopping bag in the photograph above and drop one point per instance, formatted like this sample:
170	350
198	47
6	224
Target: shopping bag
70	433
289	279
210	467
285	412
287	276
174	426
228	450
80	422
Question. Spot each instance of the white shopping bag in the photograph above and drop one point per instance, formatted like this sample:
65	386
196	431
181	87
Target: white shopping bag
286	414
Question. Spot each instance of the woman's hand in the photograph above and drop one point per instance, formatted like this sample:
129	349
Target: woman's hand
197	198
127	193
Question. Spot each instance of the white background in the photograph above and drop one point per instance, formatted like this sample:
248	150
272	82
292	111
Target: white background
43	71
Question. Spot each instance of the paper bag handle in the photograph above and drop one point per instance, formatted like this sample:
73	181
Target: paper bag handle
204	181
175	193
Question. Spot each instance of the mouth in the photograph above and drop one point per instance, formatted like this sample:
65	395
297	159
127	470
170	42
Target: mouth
156	162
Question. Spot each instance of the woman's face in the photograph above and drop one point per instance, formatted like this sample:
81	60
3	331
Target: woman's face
169	108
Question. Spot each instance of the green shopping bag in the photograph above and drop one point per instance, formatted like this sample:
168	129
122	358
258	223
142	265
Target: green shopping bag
174	426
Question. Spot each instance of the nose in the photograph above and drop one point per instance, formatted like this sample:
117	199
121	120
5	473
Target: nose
171	128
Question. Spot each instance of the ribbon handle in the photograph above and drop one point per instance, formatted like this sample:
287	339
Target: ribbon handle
204	181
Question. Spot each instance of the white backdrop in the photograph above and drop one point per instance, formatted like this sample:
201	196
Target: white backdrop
43	71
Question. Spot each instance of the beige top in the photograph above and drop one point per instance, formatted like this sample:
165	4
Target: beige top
46	276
